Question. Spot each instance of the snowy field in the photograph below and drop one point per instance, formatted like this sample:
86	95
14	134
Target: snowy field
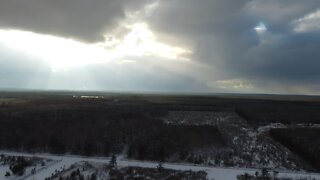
67	160
38	165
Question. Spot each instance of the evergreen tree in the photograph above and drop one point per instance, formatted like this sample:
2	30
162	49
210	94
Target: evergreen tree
113	161
93	176
160	166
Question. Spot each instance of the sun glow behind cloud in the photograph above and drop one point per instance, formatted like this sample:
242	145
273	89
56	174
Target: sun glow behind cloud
261	28
141	41
60	52
64	53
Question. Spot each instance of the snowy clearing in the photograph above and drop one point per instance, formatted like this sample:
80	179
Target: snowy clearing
213	172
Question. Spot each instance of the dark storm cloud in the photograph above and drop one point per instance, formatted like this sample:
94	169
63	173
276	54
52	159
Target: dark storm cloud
81	19
222	35
280	11
293	57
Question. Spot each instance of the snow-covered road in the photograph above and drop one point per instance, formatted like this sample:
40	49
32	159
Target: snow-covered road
213	172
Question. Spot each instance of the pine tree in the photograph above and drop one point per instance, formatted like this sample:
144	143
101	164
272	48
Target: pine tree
113	161
160	166
93	176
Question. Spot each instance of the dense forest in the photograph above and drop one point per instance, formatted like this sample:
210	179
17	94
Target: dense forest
303	141
99	129
134	125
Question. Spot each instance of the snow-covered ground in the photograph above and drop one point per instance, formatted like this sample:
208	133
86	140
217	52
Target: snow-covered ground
263	129
213	172
248	146
39	165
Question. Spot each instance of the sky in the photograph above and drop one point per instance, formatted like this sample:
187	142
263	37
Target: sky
189	46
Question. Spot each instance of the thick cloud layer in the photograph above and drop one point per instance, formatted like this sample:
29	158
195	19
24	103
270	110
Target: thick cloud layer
238	46
80	19
223	35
